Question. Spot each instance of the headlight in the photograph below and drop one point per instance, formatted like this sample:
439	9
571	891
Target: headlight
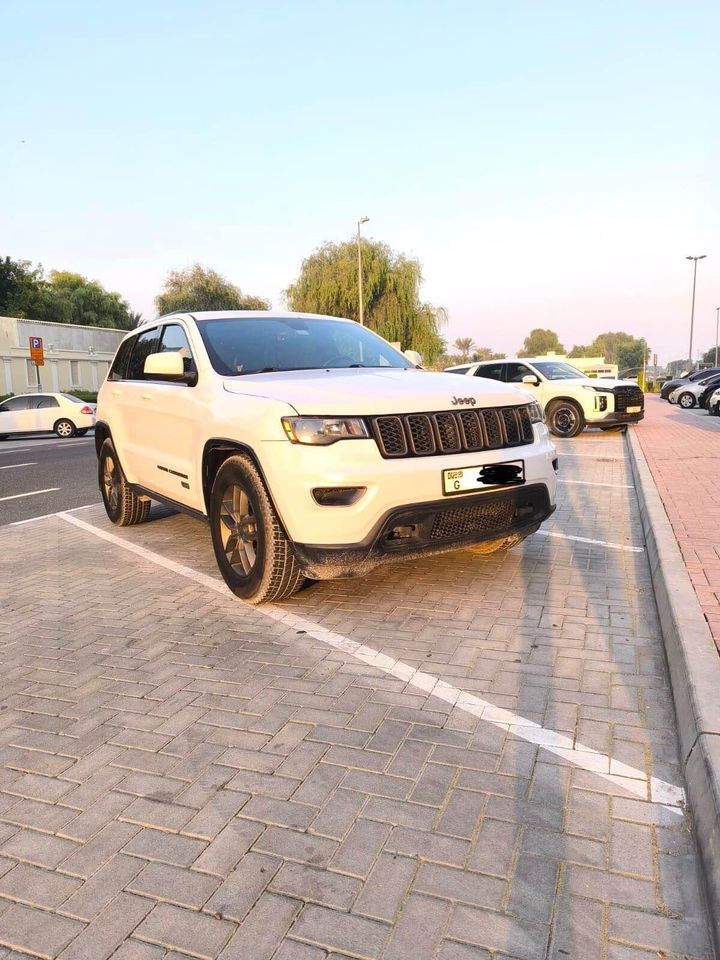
321	431
587	386
536	413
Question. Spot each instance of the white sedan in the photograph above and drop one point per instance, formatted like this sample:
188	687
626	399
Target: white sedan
687	395
46	412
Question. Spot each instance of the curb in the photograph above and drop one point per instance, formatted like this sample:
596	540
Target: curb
694	675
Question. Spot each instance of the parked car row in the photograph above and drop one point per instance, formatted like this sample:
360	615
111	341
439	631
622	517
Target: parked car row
697	390
570	399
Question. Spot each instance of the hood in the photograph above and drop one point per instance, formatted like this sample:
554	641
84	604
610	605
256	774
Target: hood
358	392
604	383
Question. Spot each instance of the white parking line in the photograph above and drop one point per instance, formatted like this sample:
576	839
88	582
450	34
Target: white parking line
592	483
599	543
46	516
31	493
633	780
14	466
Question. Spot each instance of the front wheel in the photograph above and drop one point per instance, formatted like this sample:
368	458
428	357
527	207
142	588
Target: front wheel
253	554
122	505
686	401
564	418
65	429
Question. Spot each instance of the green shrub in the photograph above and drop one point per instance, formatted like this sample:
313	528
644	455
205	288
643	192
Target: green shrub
87	395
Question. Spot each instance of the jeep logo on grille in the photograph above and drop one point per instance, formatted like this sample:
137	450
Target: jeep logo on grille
462	401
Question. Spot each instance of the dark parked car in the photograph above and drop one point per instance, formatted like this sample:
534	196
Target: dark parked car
670	385
709	390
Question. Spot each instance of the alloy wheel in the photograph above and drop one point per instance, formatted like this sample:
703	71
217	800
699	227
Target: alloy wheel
238	530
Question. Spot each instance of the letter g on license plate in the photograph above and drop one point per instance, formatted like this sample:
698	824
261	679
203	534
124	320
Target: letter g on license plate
483	476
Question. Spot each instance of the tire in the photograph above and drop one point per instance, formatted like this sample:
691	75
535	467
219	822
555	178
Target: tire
65	429
686	401
122	505
81	433
564	418
253	554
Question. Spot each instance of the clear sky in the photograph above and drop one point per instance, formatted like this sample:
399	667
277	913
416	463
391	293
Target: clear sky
550	163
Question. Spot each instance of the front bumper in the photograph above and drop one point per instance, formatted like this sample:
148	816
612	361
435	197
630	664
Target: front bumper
423	529
615	417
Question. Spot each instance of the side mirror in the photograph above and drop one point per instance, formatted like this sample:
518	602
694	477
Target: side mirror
414	357
168	366
531	380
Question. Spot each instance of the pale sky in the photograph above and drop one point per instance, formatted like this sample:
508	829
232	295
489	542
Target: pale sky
550	163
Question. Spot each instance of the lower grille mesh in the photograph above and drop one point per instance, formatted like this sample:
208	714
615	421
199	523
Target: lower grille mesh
483	518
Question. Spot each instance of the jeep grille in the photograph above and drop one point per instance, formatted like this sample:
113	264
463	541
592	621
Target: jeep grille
437	434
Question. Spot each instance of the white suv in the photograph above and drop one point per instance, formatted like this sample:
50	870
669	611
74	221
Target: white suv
571	399
313	448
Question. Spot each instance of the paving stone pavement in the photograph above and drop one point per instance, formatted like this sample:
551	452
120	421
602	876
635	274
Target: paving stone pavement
682	449
183	776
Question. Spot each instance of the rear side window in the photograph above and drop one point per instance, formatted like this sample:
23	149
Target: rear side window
492	371
42	403
143	346
118	370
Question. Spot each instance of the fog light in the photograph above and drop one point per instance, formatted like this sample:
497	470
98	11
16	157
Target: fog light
337	496
403	533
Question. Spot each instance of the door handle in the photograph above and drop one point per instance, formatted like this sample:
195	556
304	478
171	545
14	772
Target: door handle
116	393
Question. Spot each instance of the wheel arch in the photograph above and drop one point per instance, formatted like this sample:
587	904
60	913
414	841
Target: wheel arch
215	452
102	433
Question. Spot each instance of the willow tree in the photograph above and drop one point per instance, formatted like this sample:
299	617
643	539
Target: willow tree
199	288
328	283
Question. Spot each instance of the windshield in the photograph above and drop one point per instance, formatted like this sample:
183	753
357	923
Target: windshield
556	370
237	347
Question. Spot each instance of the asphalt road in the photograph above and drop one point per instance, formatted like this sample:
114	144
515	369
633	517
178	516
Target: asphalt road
41	474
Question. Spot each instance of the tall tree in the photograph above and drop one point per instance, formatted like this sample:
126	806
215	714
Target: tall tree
616	347
709	356
391	293
62	297
200	288
539	342
465	346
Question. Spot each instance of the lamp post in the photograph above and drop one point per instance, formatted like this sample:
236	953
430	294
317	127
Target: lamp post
360	289
692	309
717	329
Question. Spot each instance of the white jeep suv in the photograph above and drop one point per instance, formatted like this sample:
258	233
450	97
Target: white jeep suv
571	400
313	448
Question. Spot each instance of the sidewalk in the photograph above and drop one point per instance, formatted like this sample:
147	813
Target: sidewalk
682	450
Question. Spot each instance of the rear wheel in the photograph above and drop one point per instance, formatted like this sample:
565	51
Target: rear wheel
564	418
122	505
686	401
253	554
65	429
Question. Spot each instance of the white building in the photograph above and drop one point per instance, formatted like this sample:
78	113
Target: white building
76	357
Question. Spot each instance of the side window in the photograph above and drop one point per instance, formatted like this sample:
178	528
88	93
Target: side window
144	345
492	371
17	403
118	369
43	402
516	372
175	339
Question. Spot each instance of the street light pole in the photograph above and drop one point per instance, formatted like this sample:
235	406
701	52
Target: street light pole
360	285
717	329
692	309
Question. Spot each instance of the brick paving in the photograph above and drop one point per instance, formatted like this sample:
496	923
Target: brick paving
181	776
682	449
